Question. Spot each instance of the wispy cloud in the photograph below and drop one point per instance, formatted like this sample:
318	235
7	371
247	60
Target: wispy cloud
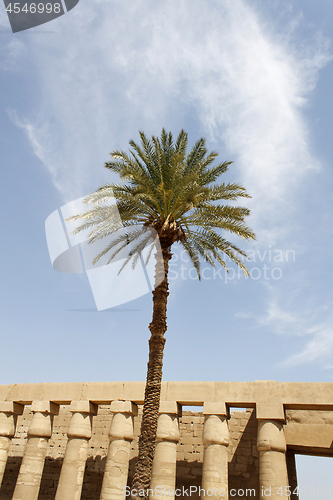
11	53
318	349
42	143
314	323
4	21
115	68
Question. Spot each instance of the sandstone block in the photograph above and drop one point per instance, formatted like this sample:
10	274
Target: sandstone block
270	411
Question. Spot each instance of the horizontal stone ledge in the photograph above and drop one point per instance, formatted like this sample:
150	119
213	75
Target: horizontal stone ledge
19	406
294	395
318	436
309	406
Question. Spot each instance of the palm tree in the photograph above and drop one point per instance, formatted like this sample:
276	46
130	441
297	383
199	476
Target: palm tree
171	195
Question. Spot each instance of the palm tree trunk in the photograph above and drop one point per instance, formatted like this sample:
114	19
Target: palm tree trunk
158	326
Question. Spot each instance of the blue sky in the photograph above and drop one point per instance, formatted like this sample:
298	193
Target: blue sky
253	78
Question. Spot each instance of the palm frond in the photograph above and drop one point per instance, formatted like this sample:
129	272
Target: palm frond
171	192
122	241
193	255
136	252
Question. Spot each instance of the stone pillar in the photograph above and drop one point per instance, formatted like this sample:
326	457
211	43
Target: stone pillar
8	417
165	457
79	434
271	443
215	458
31	470
117	460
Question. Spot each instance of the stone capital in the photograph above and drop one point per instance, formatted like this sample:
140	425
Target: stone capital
215	430
80	425
121	427
271	436
167	428
7	424
41	423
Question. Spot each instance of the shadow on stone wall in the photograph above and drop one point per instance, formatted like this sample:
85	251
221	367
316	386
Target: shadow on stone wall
244	466
50	478
10	477
93	477
189	474
92	482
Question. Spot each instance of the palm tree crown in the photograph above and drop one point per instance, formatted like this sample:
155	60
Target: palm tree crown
173	194
172	197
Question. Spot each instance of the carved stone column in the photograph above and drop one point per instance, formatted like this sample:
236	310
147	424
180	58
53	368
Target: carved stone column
165	457
215	459
31	470
79	434
271	443
117	460
8	417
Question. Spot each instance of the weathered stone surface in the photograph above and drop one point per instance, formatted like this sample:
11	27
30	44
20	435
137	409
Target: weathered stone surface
79	433
8	413
165	457
215	458
271	436
214	408
310	437
124	407
273	474
46	407
4	449
317	417
11	407
266	411
298	395
170	407
31	470
117	460
83	407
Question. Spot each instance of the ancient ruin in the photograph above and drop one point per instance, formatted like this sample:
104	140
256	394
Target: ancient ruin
72	441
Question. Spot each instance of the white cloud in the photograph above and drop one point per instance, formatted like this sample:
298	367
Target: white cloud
4	18
318	349
114	68
42	143
314	323
11	53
